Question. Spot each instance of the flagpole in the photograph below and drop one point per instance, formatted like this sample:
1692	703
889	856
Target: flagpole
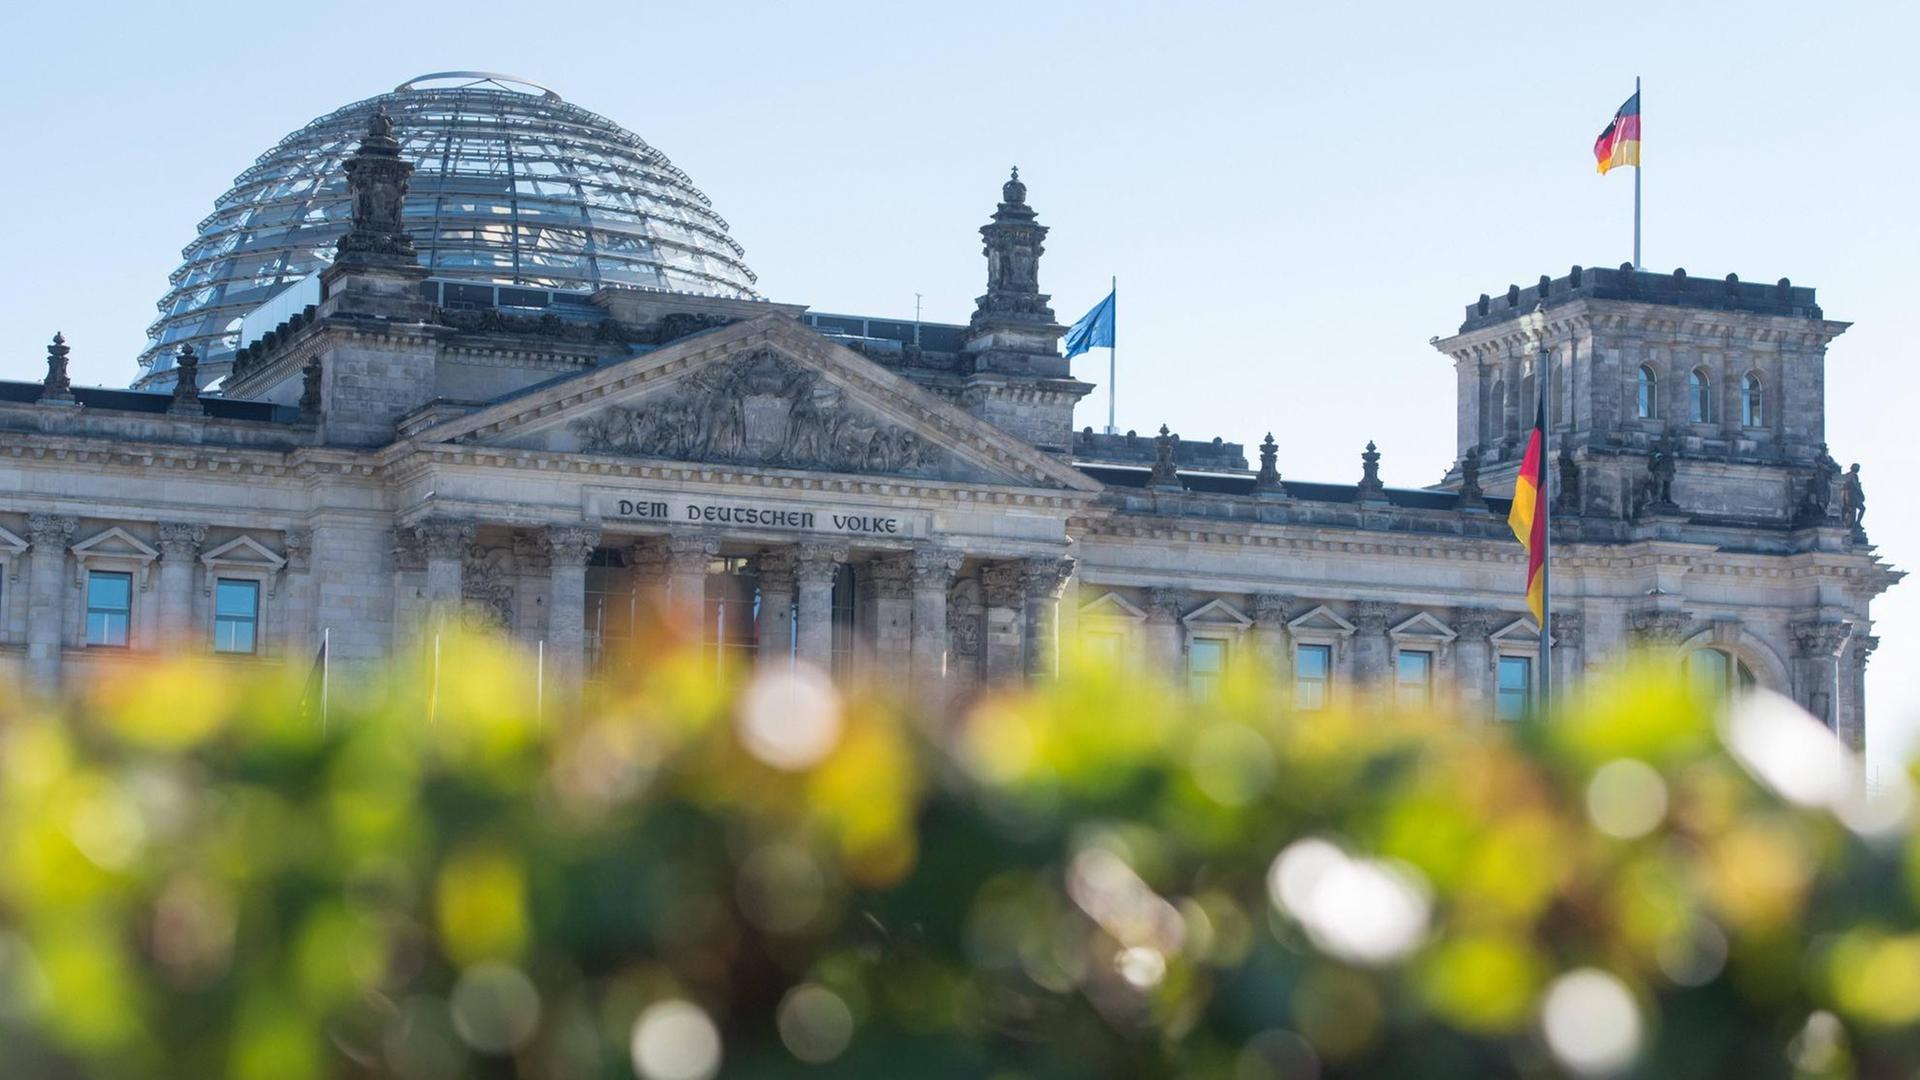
1642	113
326	673
1544	376
1113	365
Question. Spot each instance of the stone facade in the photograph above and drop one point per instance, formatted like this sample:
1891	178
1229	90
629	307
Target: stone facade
379	467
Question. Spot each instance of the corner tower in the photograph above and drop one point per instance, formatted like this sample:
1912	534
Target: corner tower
1016	377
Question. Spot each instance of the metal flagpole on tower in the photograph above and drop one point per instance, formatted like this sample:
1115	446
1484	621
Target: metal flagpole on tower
326	672
1544	508
1641	107
1113	366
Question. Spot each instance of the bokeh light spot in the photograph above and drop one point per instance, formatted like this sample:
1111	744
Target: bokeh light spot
814	1023
790	718
496	1009
1626	798
675	1040
1591	1022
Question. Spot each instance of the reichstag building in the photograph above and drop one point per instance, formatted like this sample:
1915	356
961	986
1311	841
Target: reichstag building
468	351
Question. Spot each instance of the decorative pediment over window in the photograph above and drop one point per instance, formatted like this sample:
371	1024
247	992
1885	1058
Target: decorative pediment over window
1321	620
768	393
10	547
1216	615
243	553
115	545
1422	629
1521	631
1113	606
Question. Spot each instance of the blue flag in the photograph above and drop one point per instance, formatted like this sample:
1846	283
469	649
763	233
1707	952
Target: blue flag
1094	328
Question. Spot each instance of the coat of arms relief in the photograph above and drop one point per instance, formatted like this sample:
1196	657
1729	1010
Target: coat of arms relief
761	409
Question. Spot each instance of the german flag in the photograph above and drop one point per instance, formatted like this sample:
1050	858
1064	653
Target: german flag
1620	143
1528	518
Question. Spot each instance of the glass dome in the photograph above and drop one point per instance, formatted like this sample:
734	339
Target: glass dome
512	186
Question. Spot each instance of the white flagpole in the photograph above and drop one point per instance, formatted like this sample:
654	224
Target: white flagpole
1113	365
540	683
326	673
1640	118
433	691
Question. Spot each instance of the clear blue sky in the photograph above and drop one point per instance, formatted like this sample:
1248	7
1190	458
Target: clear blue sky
1294	197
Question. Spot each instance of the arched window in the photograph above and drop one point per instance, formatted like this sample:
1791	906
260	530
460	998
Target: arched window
1718	674
1646	392
1497	411
1753	401
1699	397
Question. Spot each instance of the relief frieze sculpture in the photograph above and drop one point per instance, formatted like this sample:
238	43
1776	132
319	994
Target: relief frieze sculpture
762	409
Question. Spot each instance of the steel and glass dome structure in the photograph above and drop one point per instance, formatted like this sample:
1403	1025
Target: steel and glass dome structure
512	186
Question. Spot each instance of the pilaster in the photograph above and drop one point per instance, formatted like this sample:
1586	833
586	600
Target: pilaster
816	565
1372	652
568	548
932	570
49	535
1003	630
1163	629
1041	580
1817	644
776	574
179	545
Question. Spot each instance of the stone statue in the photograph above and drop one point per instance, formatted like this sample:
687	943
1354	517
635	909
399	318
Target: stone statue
186	381
1470	493
1566	486
1661	468
380	125
310	392
1268	479
1164	475
377	178
1820	492
1370	485
1853	504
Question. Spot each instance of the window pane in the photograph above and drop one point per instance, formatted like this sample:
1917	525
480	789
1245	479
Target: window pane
1312	667
1710	672
1206	660
109	603
1516	687
1103	649
236	611
1414	677
236	598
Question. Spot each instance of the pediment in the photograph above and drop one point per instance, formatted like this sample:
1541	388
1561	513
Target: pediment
244	551
1322	619
1113	606
769	394
1520	631
1217	615
1422	627
115	543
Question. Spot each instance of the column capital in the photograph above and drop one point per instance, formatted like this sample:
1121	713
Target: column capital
1163	604
1863	646
570	545
1000	584
299	547
51	531
409	551
775	568
1372	616
891	575
647	558
1270	610
1473	623
179	539
1043	577
1820	639
445	537
818	563
1569	629
1660	628
933	567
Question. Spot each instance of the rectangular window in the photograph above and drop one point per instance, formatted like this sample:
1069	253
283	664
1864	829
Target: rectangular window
1312	674
1413	678
236	615
1515	693
611	613
1103	649
109	608
1206	666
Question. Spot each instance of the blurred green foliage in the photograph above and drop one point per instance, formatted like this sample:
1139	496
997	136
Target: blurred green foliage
688	876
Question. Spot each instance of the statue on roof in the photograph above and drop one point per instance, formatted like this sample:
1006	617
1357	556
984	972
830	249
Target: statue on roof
1853	504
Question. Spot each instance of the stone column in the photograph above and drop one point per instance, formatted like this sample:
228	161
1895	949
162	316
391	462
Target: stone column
1042	578
1001	623
815	567
647	561
1163	631
1269	638
775	634
409	596
568	549
445	541
1473	660
46	595
1372	652
296	619
1569	639
1817	644
688	556
890	585
1853	685
933	570
179	544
